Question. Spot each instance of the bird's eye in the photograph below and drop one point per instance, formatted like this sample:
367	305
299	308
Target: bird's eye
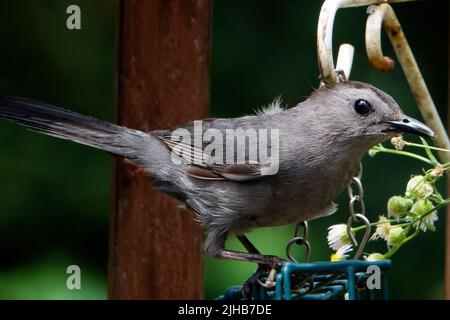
362	107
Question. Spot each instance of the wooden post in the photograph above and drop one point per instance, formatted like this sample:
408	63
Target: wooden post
156	247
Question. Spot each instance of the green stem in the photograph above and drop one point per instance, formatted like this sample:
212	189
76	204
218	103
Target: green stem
391	252
411	144
356	229
404	153
445	165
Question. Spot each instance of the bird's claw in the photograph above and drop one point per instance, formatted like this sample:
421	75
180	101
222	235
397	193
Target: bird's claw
271	270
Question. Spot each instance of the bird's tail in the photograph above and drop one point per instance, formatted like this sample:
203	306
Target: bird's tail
72	126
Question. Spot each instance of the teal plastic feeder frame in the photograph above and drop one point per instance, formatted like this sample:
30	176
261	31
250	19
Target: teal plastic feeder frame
320	281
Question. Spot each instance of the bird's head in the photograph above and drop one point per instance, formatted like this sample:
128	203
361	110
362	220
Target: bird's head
356	110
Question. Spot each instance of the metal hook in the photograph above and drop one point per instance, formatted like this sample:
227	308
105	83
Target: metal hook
325	39
366	236
325	42
383	14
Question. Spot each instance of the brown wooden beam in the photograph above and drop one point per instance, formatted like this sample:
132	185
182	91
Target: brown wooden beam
156	247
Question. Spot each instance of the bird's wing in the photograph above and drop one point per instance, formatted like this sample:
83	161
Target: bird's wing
205	166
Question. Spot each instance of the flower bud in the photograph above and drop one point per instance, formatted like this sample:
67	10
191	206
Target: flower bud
398	206
395	234
372	152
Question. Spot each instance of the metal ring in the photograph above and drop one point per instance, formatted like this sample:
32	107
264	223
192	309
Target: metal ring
299	241
353	200
360	171
304	225
355	181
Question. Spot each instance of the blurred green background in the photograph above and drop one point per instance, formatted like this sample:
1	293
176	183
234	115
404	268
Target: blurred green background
55	195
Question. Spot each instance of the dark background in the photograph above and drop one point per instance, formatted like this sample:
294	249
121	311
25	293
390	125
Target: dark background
54	195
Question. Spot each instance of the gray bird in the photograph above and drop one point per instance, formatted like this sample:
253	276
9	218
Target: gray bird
320	144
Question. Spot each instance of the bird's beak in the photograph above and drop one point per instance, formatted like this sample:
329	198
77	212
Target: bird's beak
409	125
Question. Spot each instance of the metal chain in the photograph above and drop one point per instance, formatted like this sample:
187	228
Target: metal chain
357	211
299	240
356	216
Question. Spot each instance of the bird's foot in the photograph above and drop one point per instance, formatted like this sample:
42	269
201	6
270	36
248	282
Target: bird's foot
254	280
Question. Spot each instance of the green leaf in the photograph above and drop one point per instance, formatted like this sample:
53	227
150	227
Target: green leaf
428	151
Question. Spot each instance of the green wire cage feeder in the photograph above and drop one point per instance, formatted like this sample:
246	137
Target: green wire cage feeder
320	281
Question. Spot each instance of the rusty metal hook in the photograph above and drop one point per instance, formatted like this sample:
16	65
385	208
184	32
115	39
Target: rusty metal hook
383	14
325	39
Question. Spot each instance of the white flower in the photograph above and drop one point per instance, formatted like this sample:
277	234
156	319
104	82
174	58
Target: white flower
425	207
337	236
417	187
430	219
341	253
382	230
375	257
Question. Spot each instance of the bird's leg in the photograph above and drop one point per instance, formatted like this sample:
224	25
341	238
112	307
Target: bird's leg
250	257
253	255
266	264
262	268
247	244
